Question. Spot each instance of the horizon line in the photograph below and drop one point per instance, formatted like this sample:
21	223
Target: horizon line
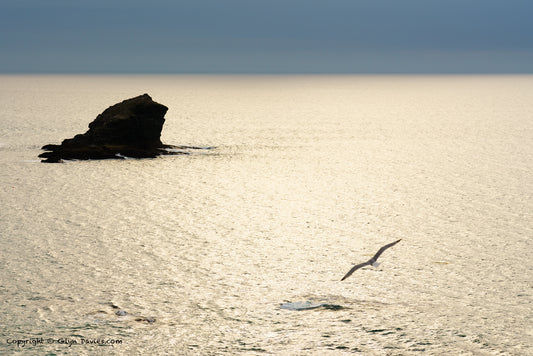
443	73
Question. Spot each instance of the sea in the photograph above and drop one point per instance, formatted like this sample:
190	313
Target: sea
239	247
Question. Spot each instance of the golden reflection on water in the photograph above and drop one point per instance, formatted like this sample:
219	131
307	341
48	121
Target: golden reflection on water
309	175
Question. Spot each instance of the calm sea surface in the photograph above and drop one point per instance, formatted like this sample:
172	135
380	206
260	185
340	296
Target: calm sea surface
195	254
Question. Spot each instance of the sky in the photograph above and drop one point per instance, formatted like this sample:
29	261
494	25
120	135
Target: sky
260	36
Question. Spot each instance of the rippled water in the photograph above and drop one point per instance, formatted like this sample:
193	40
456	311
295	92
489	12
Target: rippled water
195	254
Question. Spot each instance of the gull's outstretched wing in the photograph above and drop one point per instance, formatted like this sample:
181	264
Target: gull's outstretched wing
371	261
384	248
355	268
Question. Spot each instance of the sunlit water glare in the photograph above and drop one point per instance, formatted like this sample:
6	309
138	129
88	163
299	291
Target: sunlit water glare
309	175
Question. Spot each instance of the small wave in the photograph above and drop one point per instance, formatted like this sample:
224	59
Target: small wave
307	305
185	149
122	156
175	150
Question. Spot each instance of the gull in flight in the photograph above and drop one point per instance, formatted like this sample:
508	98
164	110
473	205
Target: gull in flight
372	261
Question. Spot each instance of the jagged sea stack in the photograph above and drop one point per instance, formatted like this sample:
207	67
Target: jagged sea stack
131	128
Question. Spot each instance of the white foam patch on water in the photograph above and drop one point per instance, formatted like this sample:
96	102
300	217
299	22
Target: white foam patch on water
175	150
122	156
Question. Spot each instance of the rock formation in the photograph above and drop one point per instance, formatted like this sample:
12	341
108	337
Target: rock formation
131	128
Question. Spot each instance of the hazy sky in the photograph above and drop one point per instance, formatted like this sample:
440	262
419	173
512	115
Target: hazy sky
266	36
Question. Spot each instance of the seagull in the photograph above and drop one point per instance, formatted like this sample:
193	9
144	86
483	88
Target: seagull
372	261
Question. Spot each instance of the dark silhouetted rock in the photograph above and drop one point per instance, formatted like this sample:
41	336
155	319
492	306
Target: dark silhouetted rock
131	128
